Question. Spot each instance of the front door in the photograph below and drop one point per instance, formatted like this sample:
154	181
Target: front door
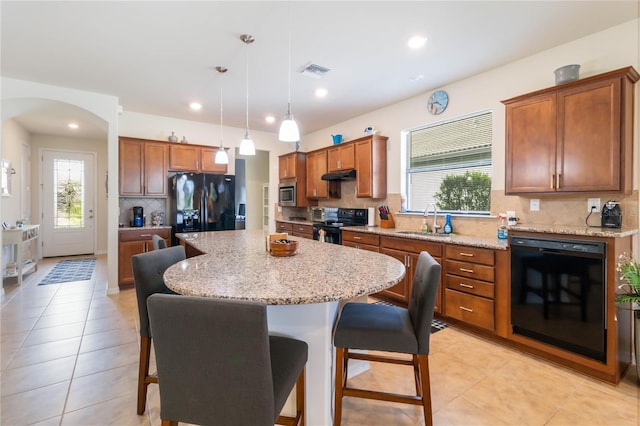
67	204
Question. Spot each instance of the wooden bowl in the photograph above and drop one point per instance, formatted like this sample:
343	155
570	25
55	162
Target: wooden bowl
282	248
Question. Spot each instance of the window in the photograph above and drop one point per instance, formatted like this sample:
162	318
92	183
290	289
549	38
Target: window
69	195
449	164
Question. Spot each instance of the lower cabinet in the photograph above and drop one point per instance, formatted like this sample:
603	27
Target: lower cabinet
407	251
284	227
132	242
303	231
360	240
469	285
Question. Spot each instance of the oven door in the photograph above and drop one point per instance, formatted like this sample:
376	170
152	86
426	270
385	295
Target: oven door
332	234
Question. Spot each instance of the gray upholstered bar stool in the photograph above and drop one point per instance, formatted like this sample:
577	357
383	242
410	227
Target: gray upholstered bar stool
158	242
148	269
217	364
387	328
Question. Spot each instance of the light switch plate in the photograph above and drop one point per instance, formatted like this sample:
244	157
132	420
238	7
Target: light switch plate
593	202
534	205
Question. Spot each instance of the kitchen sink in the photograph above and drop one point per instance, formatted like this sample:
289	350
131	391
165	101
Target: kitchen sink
423	234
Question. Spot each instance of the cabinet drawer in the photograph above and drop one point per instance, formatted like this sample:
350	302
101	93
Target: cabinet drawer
284	227
470	254
415	246
361	238
302	231
361	246
470	270
143	234
467	285
473	310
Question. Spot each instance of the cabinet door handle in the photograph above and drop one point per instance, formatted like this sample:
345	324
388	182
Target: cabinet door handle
467	270
467	254
465	285
357	238
466	309
145	235
558	181
553	177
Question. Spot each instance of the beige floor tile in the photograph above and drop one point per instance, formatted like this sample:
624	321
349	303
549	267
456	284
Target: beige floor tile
102	387
449	379
15	380
34	406
108	358
462	411
9	346
359	412
61	319
53	421
67	307
51	334
105	339
100	325
16	325
117	412
15	311
29	355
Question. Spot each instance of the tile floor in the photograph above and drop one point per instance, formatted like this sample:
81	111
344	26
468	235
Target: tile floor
69	356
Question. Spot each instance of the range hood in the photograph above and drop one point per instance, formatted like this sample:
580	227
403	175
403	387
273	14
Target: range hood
341	175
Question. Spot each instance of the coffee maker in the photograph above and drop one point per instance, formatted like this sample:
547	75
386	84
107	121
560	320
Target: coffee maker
138	216
611	215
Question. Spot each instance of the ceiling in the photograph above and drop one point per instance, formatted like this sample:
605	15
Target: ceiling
158	56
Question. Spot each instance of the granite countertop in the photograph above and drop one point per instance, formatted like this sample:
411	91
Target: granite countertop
465	240
237	266
581	230
143	228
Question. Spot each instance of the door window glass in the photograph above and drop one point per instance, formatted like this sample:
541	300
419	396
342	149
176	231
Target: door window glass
69	180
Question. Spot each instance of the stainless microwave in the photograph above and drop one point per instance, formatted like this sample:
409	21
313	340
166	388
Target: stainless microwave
287	194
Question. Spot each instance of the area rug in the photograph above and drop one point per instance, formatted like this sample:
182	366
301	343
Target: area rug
436	325
70	270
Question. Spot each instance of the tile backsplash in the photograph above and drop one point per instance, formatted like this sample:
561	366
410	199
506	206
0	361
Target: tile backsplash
148	204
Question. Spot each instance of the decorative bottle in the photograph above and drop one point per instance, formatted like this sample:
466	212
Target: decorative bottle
502	228
447	225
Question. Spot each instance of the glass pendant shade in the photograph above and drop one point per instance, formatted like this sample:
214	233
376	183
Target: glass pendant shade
289	129
222	157
247	146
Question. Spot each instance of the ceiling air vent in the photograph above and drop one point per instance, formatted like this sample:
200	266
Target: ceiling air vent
314	70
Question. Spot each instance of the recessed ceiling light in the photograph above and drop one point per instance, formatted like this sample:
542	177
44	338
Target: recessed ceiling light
73	126
416	78
416	42
270	119
195	106
321	93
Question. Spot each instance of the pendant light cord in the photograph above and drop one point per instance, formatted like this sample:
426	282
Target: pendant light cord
289	61
247	81
221	111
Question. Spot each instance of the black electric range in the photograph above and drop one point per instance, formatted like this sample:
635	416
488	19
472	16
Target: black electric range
345	217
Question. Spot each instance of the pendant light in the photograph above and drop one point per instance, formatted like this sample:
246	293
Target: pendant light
247	147
289	129
221	155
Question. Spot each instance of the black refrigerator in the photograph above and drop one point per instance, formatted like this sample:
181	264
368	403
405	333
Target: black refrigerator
201	202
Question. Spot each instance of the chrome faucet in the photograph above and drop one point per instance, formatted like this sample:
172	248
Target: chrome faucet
435	226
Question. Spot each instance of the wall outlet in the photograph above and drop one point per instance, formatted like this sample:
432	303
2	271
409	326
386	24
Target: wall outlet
593	202
534	205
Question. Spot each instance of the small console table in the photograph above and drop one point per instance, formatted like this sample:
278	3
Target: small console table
19	238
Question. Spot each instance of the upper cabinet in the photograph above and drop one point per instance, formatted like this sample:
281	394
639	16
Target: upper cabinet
371	166
340	157
316	167
575	137
143	167
291	165
194	158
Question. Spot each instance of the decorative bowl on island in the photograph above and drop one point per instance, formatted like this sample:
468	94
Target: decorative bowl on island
283	247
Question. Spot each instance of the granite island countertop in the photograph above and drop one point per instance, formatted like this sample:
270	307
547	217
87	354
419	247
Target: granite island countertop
237	266
143	228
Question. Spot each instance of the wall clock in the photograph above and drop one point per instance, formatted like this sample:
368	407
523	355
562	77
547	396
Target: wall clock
437	102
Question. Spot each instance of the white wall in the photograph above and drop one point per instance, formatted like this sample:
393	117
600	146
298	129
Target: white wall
614	48
14	137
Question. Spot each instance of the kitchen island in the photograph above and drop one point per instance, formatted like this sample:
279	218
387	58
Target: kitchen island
303	291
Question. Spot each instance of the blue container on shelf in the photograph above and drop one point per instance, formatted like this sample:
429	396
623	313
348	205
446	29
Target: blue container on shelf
337	139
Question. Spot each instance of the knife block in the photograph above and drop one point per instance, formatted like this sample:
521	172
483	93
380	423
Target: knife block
387	223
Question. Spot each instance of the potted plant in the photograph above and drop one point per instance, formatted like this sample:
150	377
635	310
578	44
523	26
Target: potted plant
629	271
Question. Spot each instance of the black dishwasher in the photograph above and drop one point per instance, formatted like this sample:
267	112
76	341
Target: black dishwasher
558	293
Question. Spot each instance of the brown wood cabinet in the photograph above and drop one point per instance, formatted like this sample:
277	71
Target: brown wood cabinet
143	167
316	167
284	227
469	285
291	165
407	251
575	137
194	158
371	166
341	157
303	231
132	242
361	240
